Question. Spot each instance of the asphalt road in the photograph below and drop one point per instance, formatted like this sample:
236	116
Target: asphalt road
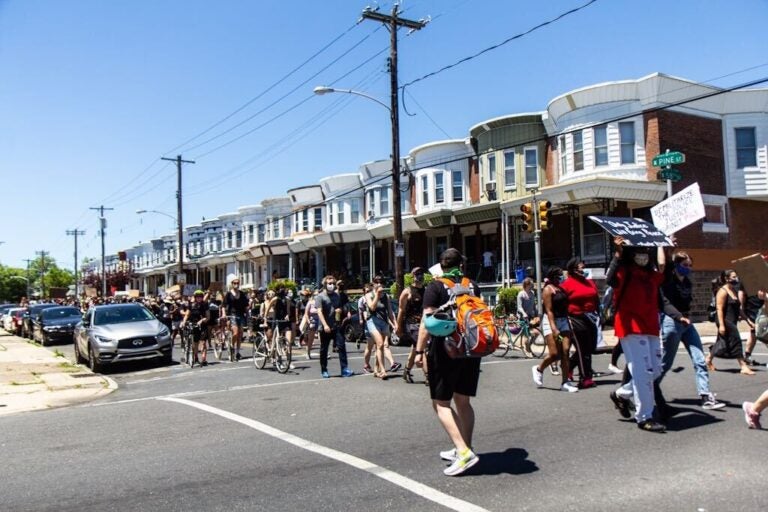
230	437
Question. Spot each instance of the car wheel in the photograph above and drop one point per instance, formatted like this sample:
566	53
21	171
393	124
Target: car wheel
349	333
167	359
78	356
44	341
93	362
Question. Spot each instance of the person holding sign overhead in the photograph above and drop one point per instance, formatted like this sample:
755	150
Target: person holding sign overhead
636	324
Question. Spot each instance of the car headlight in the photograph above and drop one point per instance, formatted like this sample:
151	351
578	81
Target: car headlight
105	340
47	328
164	332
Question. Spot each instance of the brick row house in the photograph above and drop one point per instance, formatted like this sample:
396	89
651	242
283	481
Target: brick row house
588	152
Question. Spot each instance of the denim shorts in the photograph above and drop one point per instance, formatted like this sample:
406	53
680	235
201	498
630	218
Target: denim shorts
377	324
237	320
561	323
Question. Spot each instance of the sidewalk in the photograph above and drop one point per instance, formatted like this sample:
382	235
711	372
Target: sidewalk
34	378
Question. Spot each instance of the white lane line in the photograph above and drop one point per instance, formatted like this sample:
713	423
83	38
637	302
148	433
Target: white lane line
404	482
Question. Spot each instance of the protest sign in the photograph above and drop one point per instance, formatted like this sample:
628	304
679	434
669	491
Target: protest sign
753	273
679	211
173	291
90	291
189	289
636	232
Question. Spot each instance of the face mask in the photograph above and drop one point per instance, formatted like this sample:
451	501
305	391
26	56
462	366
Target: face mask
330	287
683	271
419	278
641	260
579	272
734	282
290	294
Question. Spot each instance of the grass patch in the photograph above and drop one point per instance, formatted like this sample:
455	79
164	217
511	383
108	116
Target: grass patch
69	367
58	353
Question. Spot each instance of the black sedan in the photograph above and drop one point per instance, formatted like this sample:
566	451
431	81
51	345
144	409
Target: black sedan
56	324
32	316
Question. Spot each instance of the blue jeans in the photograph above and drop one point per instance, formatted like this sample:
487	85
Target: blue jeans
672	333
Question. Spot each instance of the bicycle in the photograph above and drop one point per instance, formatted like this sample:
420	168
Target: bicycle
519	335
189	346
222	340
276	349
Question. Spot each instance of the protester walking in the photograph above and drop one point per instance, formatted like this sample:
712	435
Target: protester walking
729	311
329	313
409	314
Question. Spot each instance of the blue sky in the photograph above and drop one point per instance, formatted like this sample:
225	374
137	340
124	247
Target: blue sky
93	92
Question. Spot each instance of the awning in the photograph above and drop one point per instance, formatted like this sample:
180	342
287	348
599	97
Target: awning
588	189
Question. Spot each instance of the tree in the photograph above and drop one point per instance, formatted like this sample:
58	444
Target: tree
44	271
13	284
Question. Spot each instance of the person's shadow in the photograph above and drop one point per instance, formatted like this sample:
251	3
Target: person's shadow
512	461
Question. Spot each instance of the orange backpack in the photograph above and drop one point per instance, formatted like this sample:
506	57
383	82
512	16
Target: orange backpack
476	334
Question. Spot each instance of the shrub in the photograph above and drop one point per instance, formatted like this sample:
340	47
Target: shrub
289	284
507	303
408	279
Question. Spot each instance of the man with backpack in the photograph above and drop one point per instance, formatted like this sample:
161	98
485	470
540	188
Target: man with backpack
451	378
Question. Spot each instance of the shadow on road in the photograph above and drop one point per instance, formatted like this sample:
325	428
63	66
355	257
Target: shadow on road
685	418
512	461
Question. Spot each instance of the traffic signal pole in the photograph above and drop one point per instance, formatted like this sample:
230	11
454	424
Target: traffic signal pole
537	252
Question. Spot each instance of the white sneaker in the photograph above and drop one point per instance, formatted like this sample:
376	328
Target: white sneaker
449	455
569	387
461	464
538	377
615	369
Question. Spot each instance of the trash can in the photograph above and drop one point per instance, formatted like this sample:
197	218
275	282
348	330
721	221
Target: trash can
519	274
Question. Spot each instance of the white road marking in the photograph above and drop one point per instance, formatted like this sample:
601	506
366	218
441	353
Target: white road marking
404	482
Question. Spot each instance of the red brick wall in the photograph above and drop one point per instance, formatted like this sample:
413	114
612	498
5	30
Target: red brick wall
474	180
550	166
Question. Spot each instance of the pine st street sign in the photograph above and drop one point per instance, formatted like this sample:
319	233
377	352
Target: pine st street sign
668	158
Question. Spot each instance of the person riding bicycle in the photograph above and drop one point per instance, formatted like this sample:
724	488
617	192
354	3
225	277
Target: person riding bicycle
236	306
197	314
214	306
279	310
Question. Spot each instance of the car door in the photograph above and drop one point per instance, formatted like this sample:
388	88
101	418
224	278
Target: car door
81	332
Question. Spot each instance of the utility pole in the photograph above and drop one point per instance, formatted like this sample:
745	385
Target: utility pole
76	232
42	255
103	227
393	22
28	262
180	238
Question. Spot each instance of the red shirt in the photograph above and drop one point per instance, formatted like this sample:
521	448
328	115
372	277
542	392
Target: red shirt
582	293
638	311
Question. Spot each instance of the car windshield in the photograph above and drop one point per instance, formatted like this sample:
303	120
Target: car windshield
54	313
121	315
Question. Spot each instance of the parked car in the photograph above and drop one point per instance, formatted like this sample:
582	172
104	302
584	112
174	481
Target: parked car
31	315
56	324
4	308
120	332
12	320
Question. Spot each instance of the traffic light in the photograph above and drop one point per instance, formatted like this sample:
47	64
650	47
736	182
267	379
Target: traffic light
528	222
544	221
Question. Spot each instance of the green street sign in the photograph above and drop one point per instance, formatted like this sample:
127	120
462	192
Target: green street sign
668	158
672	175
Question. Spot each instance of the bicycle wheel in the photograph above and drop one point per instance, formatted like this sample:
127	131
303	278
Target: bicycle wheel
260	352
228	343
282	355
189	355
538	344
217	345
505	339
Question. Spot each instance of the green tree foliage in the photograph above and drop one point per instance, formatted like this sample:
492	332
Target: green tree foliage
507	301
13	284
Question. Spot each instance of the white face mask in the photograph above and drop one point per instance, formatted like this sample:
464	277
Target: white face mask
641	259
330	287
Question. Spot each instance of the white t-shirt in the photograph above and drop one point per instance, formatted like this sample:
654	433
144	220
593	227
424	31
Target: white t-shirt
487	259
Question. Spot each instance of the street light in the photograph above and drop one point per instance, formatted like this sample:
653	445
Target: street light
26	279
397	215
139	212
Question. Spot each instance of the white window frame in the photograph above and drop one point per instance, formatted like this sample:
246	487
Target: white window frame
304	221
736	145
563	155
490	175
589	258
318	219
384	209
341	216
424	185
622	143
722	203
460	185
581	144
354	210
536	166
441	187
595	147
510	184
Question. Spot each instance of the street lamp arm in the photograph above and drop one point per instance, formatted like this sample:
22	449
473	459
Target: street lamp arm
139	212
320	90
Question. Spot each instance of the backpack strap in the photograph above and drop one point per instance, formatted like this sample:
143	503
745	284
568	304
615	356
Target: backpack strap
447	282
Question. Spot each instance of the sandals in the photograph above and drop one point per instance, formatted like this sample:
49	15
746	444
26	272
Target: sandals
710	365
745	370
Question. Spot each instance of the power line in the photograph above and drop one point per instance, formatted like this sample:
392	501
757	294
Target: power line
494	47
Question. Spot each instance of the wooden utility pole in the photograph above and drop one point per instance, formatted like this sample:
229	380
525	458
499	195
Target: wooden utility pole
76	232
102	229
393	22
179	236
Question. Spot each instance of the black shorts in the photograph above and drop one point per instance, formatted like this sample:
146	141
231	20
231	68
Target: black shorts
448	376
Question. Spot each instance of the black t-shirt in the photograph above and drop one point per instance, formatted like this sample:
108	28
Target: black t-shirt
678	293
236	305
436	294
198	311
280	308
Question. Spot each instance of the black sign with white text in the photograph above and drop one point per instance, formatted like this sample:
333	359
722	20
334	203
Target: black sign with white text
636	232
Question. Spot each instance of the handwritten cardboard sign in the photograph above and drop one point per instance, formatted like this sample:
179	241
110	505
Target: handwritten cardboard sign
753	273
679	211
636	232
